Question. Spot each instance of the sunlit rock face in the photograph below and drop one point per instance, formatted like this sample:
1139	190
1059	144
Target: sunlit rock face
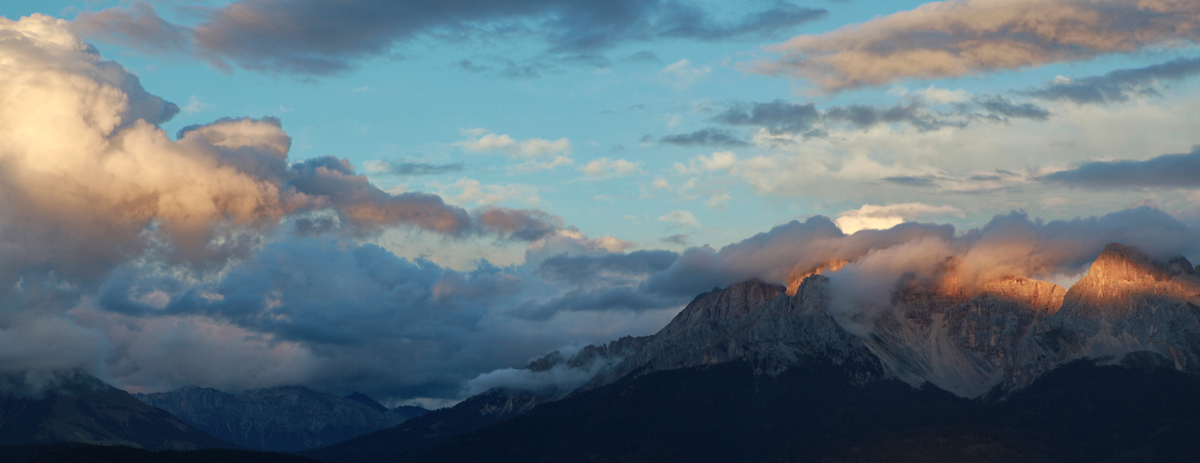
959	340
972	339
1127	304
752	321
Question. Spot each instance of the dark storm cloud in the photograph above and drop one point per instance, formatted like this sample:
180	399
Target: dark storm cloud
1118	86
705	137
314	37
577	269
1166	171
619	298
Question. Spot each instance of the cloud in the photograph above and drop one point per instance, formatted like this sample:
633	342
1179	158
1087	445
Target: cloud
1004	107
605	167
705	137
777	115
558	379
534	147
680	219
536	153
967	37
1119	85
316	38
474	192
406	168
781	118
682	74
871	217
1166	171
719	200
582	268
155	262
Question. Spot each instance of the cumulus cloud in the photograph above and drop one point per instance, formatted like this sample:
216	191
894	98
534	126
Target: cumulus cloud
1166	171
316	38
157	262
965	37
535	153
718	161
871	217
606	167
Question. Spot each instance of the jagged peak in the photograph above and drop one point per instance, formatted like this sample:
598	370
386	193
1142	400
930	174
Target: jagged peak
734	301
1124	263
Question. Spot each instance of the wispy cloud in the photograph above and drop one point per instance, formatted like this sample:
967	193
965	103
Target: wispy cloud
1119	85
965	37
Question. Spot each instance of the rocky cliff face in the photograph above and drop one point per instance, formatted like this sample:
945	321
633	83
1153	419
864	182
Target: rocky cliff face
276	419
994	337
1127	304
753	321
963	342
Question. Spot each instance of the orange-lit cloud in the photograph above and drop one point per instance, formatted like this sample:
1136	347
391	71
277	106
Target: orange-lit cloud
965	37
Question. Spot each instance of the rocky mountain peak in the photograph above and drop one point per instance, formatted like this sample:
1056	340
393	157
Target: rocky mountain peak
730	303
1121	263
1121	277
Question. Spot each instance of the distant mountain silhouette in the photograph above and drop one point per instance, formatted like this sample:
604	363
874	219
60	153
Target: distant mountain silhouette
282	419
81	408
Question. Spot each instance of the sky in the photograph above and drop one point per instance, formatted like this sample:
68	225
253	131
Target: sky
399	197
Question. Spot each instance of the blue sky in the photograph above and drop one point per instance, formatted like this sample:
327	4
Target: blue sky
414	104
503	109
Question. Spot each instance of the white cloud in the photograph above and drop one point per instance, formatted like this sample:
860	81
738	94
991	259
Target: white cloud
871	217
680	219
943	96
606	167
720	160
487	142
471	191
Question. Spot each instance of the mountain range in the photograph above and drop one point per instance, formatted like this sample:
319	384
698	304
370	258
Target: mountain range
1008	369
977	363
283	419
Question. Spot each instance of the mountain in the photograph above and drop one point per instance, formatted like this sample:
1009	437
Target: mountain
1012	369
280	418
412	438
81	408
1126	304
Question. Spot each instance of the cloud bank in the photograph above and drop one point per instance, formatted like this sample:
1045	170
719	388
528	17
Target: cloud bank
968	37
312	37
